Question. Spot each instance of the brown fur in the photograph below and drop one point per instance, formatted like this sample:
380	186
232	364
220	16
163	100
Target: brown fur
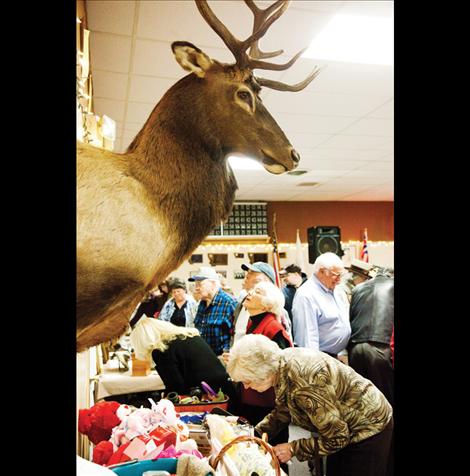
140	214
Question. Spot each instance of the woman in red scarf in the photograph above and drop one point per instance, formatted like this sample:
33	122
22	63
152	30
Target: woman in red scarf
265	304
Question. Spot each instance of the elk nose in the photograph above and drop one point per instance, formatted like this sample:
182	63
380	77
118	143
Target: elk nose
295	156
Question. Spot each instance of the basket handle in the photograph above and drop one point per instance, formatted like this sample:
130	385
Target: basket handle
268	448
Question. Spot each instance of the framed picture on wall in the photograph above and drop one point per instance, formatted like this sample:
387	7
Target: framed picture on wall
195	259
218	259
258	257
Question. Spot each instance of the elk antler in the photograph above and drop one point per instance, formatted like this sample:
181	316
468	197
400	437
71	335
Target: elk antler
263	19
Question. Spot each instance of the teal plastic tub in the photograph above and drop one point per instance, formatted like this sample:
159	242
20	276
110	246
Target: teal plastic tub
136	468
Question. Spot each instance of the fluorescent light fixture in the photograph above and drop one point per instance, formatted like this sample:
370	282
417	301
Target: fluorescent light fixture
244	163
354	39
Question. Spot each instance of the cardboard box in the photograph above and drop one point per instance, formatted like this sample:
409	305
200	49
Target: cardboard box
140	368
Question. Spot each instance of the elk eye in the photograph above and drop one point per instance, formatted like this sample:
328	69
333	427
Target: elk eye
246	97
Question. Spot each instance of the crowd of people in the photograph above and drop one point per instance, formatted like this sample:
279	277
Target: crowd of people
317	353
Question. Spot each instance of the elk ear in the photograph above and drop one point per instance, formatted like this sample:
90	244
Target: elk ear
191	58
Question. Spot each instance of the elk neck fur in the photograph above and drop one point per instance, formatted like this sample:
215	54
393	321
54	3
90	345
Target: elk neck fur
141	213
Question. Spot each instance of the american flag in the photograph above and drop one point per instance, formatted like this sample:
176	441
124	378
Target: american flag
364	251
276	259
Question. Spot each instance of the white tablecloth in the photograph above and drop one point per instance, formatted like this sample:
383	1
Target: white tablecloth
113	382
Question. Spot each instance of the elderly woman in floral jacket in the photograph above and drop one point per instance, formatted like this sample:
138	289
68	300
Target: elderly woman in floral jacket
350	419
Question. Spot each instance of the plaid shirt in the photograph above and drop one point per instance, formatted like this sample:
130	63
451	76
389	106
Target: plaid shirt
215	321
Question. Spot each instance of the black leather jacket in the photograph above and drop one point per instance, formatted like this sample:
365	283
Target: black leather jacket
371	311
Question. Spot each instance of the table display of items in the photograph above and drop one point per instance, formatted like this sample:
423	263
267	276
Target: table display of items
200	399
131	441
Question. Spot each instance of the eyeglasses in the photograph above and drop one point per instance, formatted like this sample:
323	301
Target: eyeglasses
336	275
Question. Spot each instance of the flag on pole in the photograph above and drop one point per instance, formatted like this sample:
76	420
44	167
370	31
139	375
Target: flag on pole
276	259
364	250
299	255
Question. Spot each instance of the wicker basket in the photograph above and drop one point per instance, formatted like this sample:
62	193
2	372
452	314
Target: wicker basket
254	439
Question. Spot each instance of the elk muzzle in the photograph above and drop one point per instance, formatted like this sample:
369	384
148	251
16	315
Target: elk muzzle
275	167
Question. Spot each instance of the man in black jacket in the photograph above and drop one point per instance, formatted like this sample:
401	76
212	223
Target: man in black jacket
371	314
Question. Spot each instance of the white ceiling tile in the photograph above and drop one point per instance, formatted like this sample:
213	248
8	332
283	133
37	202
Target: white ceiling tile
344	165
324	104
153	24
126	143
117	146
148	89
371	127
316	195
268	195
383	195
110	52
111	16
346	78
154	58
343	184
324	152
128	136
109	85
132	126
388	145
138	112
386	111
330	6
354	142
379	165
113	109
312	124
306	141
119	126
381	8
372	172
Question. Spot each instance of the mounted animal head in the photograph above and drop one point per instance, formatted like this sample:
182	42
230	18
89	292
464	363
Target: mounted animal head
236	112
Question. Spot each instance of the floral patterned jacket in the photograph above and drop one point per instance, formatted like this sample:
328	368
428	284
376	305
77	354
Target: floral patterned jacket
321	394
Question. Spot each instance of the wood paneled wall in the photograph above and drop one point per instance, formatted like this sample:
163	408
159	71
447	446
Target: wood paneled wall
351	217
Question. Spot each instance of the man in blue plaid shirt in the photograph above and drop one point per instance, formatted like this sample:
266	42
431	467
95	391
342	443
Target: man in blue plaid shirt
214	317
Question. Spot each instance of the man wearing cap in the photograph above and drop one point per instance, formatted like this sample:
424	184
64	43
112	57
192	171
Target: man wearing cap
181	308
358	273
293	278
255	273
214	317
320	310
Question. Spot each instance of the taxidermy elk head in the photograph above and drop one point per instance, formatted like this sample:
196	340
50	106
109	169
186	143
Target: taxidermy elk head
140	214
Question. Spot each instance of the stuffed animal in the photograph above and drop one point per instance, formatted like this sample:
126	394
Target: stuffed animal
98	421
119	430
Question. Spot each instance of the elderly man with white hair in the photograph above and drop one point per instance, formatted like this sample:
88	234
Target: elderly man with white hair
214	317
320	309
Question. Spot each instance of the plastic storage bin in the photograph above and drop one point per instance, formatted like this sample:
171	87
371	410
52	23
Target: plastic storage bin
136	468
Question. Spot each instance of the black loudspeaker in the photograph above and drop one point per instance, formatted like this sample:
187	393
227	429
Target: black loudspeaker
322	239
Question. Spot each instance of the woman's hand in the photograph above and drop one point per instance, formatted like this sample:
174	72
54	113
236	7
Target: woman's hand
283	452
